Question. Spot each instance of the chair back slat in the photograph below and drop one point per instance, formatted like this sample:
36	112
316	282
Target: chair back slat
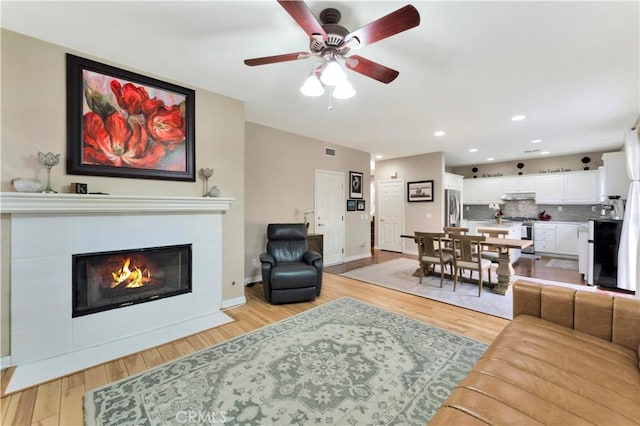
429	243
467	246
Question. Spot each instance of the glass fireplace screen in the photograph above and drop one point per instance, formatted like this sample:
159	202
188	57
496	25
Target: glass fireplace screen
114	279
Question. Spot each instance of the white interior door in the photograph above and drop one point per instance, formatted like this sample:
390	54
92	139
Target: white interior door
329	218
390	214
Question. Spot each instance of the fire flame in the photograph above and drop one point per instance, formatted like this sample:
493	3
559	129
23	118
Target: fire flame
132	278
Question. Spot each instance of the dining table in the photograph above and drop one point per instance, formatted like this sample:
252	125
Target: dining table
505	270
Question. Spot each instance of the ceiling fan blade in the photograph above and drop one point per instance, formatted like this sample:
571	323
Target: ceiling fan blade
396	22
371	69
301	13
277	58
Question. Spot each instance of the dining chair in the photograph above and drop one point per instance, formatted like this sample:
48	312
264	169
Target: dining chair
450	232
430	253
468	256
492	253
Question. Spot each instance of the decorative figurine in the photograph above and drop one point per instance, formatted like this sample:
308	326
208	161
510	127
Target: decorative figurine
205	174
48	160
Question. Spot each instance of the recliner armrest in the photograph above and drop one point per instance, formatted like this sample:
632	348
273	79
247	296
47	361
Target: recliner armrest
312	256
267	258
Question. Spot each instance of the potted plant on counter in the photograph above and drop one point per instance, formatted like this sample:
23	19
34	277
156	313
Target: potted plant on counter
498	214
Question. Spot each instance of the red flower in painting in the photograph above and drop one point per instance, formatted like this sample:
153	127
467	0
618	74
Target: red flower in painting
115	142
167	125
129	97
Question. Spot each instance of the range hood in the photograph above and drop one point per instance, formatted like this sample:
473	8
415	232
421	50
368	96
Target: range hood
511	196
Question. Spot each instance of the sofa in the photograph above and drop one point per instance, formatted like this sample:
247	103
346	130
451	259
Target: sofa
568	357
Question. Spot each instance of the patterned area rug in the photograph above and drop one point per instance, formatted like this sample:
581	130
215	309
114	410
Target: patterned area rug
571	265
345	362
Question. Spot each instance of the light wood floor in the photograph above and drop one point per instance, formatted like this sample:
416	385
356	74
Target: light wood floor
59	402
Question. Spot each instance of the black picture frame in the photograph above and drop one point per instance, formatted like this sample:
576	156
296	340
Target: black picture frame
356	184
124	124
420	191
351	205
360	205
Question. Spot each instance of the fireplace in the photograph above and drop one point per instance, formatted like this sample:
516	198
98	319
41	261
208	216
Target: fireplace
114	279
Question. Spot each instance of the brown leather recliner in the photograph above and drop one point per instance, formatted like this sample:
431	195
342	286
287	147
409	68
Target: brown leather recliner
290	272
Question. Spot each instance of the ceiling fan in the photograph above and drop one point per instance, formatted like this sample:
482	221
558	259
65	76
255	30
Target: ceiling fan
331	42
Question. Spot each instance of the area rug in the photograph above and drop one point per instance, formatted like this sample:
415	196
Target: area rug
396	274
344	362
571	265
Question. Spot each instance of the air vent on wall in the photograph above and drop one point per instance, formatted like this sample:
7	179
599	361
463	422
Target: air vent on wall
330	152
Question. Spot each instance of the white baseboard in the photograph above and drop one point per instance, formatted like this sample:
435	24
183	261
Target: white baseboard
358	257
236	301
5	362
252	280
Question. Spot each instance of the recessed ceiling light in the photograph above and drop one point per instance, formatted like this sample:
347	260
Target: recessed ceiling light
518	118
536	141
439	133
378	157
490	159
545	153
473	150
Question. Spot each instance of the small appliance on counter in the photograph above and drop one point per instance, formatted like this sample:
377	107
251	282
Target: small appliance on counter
616	211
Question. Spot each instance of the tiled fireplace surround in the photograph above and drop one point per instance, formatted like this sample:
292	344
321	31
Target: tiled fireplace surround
47	229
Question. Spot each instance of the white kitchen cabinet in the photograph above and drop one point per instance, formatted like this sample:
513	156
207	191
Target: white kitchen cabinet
549	189
567	239
583	252
568	188
491	190
544	237
519	184
616	180
452	181
471	191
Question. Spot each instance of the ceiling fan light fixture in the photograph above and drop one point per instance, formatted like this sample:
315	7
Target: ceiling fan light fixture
312	86
333	74
344	90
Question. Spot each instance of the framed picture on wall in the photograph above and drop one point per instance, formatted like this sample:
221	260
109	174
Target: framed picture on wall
355	184
123	124
420	191
351	205
360	205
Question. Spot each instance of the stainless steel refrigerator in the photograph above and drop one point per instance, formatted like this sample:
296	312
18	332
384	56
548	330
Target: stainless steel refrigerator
452	207
604	240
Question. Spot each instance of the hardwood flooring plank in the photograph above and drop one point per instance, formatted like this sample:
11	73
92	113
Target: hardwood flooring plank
71	403
152	357
47	401
23	413
168	352
95	377
184	347
52	420
134	364
116	370
72	380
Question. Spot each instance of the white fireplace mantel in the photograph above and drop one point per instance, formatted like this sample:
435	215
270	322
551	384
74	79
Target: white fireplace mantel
28	202
47	230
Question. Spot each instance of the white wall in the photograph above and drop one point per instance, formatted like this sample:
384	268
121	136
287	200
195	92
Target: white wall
279	187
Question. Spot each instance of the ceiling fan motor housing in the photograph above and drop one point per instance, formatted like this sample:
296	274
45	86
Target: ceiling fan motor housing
335	33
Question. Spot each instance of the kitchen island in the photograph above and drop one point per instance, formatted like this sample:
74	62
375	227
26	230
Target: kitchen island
514	228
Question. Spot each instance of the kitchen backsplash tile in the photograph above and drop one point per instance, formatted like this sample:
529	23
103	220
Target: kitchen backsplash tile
528	208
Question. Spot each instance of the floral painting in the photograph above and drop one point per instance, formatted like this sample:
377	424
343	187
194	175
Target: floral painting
127	125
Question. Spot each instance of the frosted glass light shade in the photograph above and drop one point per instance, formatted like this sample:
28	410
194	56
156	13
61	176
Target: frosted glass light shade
333	75
344	90
312	87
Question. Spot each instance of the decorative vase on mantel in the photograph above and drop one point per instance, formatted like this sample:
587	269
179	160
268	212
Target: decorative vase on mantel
499	220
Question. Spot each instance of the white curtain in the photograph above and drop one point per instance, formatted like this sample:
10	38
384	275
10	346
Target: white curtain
629	251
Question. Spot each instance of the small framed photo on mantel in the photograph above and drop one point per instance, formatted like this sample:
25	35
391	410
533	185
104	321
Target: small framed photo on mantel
420	191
